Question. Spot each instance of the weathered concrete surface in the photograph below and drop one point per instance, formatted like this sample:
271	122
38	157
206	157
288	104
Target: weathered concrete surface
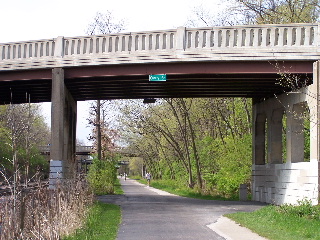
63	125
278	42
279	178
148	213
230	230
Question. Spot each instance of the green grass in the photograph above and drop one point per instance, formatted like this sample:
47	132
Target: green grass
101	224
117	187
180	190
282	223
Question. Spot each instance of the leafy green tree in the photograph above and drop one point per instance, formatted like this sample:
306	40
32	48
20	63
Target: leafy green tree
177	138
135	166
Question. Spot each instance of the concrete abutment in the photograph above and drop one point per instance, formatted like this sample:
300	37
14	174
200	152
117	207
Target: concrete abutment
286	175
63	129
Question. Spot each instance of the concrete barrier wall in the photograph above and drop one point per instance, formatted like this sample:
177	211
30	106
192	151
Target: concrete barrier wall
285	183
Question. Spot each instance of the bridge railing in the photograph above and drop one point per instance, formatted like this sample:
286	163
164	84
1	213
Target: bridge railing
122	42
292	35
30	49
214	38
89	149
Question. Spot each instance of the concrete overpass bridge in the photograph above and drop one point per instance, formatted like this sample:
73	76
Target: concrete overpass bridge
236	61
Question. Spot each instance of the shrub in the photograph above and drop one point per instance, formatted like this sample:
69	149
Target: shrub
102	176
304	209
234	159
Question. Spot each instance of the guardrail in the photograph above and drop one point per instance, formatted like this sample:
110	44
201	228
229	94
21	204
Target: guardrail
215	38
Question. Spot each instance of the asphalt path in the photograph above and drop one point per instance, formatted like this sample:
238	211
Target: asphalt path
151	214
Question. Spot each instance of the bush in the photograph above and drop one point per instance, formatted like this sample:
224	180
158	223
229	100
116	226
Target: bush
102	176
304	209
234	160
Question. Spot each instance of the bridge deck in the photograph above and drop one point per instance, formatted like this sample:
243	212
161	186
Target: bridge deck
237	61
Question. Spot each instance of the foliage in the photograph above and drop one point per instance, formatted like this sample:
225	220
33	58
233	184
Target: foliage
135	166
102	176
177	188
240	12
22	131
102	222
234	160
117	187
203	144
279	11
282	222
304	209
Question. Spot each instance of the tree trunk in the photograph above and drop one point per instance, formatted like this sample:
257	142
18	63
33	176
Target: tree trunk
98	128
194	147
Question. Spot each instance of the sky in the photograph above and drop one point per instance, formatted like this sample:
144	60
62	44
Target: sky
22	20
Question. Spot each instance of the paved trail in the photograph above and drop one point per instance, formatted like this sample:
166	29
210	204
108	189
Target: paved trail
151	214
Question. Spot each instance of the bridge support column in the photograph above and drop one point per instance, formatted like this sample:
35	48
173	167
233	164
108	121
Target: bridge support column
63	129
287	175
314	107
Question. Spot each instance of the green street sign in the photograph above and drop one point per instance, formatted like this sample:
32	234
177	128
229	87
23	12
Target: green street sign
158	77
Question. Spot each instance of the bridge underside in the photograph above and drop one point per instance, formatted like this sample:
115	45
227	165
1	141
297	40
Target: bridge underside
249	79
275	178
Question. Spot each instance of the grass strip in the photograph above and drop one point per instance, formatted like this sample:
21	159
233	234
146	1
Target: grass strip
101	224
273	224
183	191
117	187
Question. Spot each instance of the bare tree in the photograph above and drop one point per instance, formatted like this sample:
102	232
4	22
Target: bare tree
278	11
224	13
103	23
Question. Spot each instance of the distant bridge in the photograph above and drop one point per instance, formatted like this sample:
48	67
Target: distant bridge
80	150
88	150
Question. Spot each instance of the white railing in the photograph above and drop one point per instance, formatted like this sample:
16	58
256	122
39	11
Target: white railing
253	36
42	48
158	45
123	42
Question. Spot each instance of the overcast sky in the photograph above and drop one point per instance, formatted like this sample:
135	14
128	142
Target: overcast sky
22	20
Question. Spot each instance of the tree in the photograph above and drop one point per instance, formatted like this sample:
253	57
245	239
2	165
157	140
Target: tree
222	15
179	139
22	131
279	11
103	23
